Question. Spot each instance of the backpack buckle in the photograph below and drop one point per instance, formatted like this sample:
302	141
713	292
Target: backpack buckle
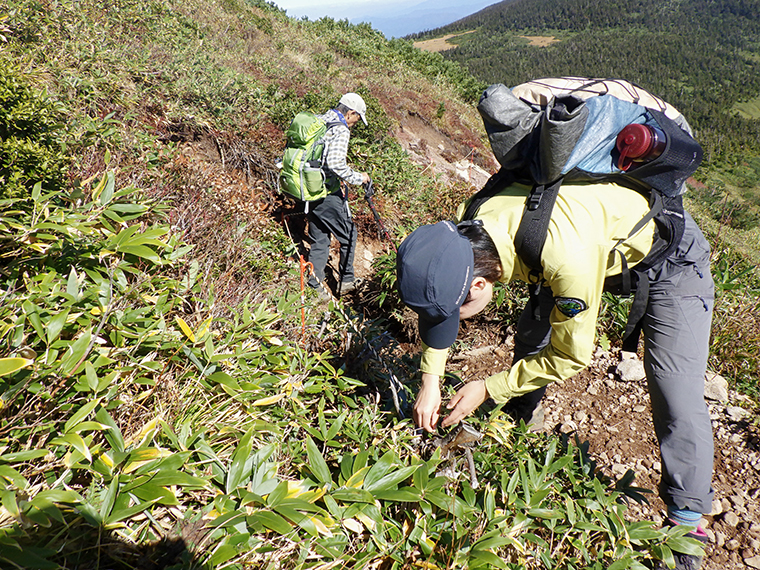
534	198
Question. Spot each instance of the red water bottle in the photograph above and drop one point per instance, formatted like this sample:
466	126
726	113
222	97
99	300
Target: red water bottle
639	143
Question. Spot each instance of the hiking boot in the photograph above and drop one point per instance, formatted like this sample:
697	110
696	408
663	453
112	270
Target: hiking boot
534	421
323	294
348	286
686	561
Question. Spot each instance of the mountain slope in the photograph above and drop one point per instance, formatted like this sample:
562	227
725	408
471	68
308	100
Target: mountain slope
172	396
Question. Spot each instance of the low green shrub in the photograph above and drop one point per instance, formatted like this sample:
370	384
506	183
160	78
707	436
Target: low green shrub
31	136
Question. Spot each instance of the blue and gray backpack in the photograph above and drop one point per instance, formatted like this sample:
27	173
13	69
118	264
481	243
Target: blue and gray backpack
549	131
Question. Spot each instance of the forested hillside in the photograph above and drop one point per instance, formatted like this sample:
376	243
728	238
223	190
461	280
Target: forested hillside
702	56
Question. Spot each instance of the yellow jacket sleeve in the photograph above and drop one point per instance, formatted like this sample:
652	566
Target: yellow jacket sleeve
433	360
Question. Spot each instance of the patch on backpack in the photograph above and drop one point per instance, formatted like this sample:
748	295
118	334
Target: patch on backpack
570	306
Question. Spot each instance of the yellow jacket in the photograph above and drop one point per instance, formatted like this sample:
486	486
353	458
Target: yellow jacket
587	222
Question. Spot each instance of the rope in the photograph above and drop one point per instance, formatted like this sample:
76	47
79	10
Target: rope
306	269
397	389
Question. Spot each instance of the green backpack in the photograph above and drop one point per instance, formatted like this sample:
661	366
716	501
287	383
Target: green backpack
302	175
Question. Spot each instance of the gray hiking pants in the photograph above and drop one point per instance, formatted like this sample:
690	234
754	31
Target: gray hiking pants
327	217
676	330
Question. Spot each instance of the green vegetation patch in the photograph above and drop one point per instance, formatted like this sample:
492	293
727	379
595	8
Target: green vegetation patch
748	109
31	146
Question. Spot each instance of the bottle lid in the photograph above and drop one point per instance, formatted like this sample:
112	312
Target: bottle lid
634	143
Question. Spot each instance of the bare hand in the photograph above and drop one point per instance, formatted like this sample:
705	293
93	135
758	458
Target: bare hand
428	402
365	178
465	401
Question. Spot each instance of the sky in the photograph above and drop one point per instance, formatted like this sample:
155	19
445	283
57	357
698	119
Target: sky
336	9
395	18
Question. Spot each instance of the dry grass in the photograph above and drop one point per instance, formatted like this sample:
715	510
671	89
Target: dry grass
540	41
440	44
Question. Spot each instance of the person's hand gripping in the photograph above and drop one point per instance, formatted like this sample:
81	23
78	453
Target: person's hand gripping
467	399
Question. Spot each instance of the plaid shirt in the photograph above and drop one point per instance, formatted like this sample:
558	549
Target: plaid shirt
336	148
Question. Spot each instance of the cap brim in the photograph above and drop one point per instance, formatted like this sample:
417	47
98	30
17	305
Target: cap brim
442	334
364	120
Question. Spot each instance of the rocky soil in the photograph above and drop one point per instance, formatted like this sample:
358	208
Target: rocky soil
608	406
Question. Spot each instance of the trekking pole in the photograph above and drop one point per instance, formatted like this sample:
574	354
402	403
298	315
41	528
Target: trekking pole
398	394
351	241
369	191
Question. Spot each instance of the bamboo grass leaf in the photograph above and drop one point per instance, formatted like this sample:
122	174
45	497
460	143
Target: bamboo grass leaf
113	436
665	554
55	325
403	495
76	352
20	456
8	500
268	401
106	195
488	559
379	469
336	426
357	479
129	512
453	505
272	521
686	545
141	251
390	480
74	440
109	498
11	365
240	464
185	329
153	492
317	463
13	476
140	457
350	495
72	285
299	518
80	415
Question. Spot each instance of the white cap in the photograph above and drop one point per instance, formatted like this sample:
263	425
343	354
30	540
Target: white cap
355	103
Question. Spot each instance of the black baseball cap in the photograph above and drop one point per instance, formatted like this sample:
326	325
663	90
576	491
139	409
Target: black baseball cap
434	265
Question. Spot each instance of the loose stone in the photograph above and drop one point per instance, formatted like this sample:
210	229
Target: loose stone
731	519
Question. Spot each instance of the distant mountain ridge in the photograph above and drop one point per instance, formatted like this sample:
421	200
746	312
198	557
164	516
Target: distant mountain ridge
398	20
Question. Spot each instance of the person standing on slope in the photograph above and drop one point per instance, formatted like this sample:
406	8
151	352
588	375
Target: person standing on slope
331	215
446	272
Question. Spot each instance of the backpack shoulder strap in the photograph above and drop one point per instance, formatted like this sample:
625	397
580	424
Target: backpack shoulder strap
323	143
531	234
